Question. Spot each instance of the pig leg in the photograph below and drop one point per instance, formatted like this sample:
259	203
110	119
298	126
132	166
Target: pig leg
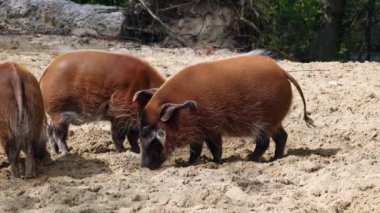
262	144
195	152
30	163
52	140
118	131
279	136
214	143
13	157
62	128
133	137
120	113
40	151
60	133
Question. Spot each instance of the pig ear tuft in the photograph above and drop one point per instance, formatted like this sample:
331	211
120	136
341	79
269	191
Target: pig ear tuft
168	109
143	96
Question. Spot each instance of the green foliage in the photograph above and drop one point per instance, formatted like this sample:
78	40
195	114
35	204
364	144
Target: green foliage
291	26
103	2
294	25
354	26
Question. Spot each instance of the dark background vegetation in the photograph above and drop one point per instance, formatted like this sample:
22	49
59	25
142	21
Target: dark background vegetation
104	2
301	30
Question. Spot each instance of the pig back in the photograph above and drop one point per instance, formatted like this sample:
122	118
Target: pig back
236	96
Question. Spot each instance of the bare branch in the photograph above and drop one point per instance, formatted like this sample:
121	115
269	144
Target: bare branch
246	21
169	31
177	6
251	24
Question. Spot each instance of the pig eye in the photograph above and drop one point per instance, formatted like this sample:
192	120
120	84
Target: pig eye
145	131
147	134
161	135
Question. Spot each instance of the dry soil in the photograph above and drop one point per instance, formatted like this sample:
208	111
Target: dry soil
331	168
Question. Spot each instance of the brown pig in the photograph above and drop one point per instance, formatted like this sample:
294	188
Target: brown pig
22	117
84	86
242	96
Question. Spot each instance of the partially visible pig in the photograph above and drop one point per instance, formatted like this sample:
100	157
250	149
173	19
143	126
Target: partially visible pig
22	118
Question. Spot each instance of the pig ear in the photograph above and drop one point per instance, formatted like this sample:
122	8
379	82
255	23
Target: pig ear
143	96
168	109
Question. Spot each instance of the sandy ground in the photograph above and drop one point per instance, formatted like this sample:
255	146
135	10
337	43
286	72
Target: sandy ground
331	168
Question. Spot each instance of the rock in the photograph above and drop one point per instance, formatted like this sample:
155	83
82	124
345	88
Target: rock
373	135
94	188
137	197
84	32
60	17
202	25
334	83
235	193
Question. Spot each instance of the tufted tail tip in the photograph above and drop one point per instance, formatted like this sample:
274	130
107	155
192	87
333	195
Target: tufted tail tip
309	121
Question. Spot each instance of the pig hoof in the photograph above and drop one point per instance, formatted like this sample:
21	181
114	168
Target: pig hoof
254	158
54	151
30	176
192	161
275	158
121	150
135	150
65	153
16	175
218	161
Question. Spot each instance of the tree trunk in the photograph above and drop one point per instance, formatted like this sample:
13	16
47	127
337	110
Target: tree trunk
326	45
368	33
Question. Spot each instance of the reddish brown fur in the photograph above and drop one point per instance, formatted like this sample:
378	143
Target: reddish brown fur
21	117
241	96
94	85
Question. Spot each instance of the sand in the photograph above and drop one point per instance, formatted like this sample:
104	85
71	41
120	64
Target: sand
331	168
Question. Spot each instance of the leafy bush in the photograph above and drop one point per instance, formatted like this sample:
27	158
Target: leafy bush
290	27
294	25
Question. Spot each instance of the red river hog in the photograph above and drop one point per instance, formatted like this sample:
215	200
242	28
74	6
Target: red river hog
241	96
85	86
22	118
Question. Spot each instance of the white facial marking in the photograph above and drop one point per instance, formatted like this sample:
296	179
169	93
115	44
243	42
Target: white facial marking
161	136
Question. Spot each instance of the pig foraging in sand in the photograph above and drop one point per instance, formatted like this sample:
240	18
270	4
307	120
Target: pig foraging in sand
241	96
84	86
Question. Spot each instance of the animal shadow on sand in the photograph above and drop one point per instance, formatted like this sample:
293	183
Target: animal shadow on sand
203	160
3	164
303	152
74	166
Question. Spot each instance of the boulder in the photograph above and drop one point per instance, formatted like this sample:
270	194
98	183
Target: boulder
59	17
